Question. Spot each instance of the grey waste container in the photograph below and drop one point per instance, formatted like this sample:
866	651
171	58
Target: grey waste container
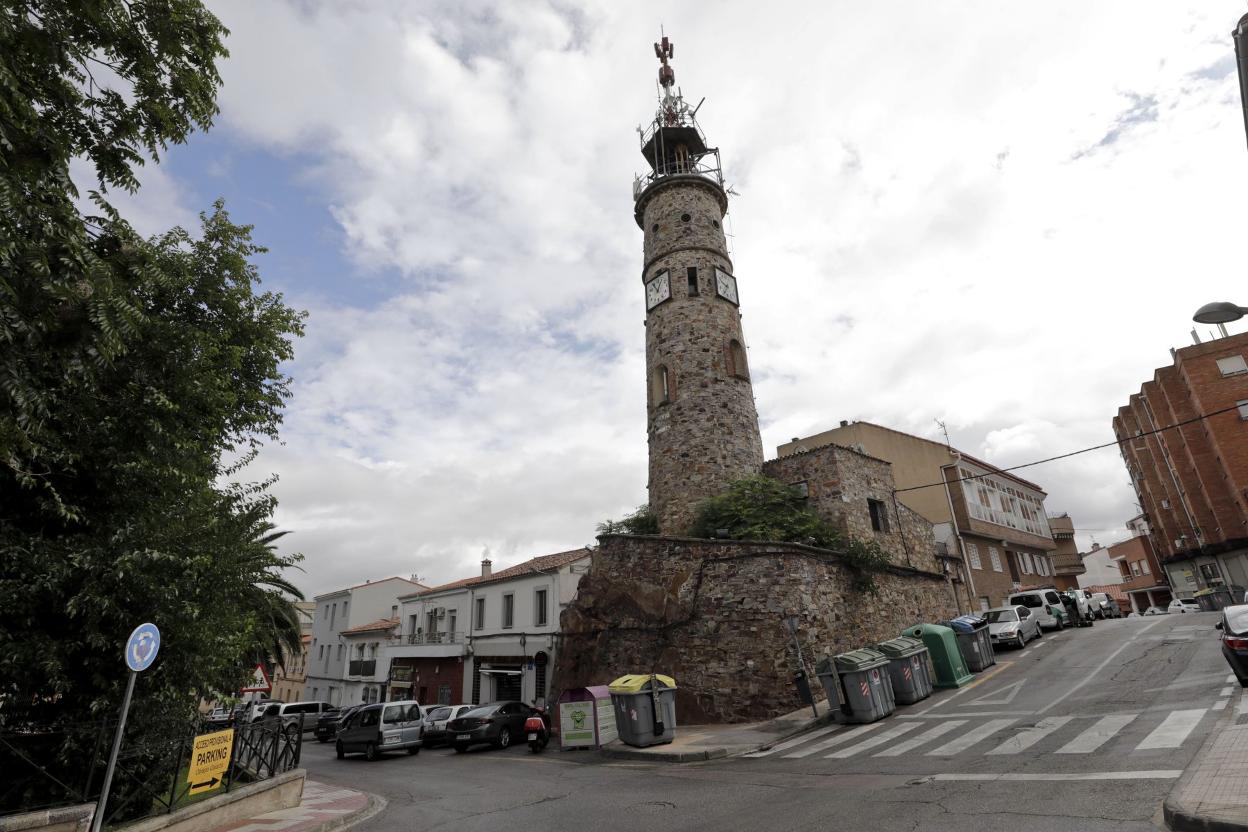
974	641
642	716
862	687
908	669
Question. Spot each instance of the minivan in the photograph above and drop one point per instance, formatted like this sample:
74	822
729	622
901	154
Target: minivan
383	726
1044	604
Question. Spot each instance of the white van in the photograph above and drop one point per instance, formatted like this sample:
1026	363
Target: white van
1045	604
385	726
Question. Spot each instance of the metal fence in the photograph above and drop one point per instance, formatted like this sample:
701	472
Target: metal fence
64	765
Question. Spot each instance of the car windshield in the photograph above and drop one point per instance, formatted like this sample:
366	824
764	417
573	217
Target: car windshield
1032	601
485	710
439	713
997	616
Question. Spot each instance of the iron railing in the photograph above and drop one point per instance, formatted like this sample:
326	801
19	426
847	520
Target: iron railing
434	638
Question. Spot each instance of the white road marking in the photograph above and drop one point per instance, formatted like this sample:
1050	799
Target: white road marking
968	713
1173	730
926	737
1096	736
1163	774
1000	696
1220	705
1227	691
1230	679
1242	707
877	740
828	743
1027	738
971	737
795	741
1095	672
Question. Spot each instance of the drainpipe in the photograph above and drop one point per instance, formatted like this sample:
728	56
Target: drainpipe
953	521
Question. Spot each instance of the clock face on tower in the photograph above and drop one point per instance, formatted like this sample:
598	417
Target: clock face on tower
658	290
725	285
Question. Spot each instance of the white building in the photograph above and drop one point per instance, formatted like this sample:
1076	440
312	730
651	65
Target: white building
1101	568
342	625
485	638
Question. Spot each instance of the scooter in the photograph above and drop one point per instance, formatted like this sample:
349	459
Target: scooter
537	727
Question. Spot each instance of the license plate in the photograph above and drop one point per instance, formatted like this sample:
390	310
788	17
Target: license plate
532	736
464	737
389	740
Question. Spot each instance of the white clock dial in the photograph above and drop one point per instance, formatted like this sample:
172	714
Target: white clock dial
725	285
658	290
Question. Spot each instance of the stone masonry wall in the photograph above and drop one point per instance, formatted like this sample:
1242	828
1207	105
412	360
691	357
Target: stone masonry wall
705	434
840	481
711	613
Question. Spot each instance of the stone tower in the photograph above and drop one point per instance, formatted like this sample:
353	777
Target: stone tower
703	426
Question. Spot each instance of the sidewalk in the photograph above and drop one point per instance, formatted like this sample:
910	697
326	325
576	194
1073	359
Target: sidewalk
712	742
323	808
1212	795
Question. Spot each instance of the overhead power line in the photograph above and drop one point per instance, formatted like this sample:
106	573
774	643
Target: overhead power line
1115	443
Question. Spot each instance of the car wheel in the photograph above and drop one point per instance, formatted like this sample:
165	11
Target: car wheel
460	748
414	750
370	751
340	750
504	737
1022	641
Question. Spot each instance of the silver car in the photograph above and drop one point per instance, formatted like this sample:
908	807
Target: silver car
1013	625
384	726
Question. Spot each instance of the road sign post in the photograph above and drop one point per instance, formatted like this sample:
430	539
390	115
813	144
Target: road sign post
141	651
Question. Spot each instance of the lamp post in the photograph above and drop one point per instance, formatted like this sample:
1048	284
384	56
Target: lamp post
1240	36
1219	313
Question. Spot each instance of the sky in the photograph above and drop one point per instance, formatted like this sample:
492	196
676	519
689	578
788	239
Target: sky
993	216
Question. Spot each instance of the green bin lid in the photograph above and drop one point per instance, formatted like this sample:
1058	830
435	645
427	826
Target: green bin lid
637	682
825	665
862	659
896	648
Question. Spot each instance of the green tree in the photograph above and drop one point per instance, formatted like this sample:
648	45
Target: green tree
641	521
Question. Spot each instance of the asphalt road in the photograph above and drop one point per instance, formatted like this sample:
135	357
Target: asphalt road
1083	730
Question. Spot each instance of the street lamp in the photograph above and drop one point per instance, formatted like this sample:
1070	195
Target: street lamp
1219	313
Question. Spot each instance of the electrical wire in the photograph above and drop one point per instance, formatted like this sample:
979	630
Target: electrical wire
993	473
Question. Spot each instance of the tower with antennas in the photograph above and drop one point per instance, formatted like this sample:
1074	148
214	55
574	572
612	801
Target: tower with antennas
701	418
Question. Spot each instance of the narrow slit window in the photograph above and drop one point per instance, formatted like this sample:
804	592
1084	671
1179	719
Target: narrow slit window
693	281
879	515
662	385
736	360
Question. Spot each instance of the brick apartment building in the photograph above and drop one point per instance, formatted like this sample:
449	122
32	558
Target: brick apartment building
994	520
1067	565
1192	481
1143	579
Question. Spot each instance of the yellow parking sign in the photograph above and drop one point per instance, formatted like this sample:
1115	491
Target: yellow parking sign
210	757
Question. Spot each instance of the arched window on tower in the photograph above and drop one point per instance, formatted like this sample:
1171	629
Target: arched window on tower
662	385
736	360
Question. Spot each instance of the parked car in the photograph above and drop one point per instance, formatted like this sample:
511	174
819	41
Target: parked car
1012	625
1044	604
383	726
257	709
1234	627
1184	605
219	718
497	723
1086	608
310	712
327	723
1106	607
1072	610
436	718
1156	611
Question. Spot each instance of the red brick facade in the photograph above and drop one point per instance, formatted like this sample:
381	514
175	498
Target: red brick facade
1192	481
431	681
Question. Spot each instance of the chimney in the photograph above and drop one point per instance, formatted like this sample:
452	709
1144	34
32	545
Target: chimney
486	567
844	423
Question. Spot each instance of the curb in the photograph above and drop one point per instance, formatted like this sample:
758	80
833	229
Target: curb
376	804
714	752
1178	817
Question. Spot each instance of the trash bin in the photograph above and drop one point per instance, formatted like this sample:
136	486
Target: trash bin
645	708
861	686
946	658
974	641
908	669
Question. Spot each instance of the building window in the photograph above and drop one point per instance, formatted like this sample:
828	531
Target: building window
662	392
394	611
509	609
1232	364
693	281
478	621
339	652
1144	570
333	616
995	557
1135	568
972	556
1243	409
802	489
879	515
984	603
539	602
321	654
344	610
736	360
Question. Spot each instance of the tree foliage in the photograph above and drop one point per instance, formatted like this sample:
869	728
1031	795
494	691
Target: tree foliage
137	377
761	508
641	521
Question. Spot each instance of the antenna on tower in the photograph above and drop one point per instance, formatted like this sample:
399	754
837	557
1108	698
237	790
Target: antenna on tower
945	431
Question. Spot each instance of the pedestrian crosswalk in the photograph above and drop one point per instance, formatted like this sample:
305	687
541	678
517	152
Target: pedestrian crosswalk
992	737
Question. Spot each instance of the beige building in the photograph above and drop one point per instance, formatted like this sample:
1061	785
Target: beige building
1067	564
288	678
995	520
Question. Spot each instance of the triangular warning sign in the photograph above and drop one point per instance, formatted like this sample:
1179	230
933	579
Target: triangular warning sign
259	681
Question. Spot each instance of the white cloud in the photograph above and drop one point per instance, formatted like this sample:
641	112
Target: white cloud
996	219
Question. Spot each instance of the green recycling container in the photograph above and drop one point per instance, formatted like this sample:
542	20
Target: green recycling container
861	685
947	659
908	669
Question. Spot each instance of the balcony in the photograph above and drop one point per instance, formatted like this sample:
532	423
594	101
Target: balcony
431	645
432	638
362	667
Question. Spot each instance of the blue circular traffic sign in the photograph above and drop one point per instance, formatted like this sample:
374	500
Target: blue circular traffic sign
142	647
